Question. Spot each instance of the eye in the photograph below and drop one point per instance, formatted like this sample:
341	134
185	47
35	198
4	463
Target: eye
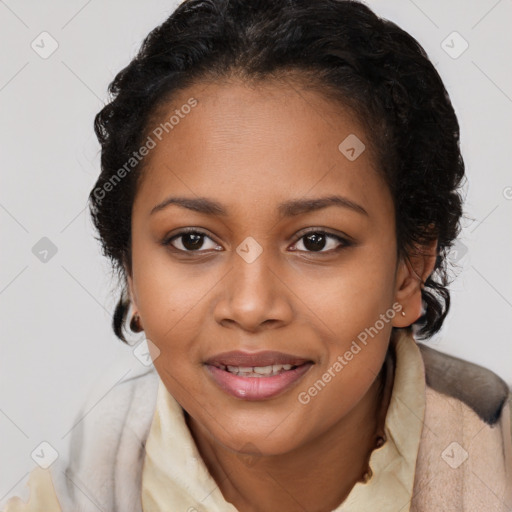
190	240
318	240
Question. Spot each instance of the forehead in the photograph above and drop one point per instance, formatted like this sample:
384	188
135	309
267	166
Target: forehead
257	144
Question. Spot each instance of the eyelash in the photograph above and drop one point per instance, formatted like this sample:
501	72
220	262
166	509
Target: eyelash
343	241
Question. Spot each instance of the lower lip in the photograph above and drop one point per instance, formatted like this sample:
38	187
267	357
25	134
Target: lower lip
257	388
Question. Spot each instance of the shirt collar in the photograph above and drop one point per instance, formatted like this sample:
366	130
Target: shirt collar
393	464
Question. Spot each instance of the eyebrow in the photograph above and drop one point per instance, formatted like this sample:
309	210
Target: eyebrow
289	208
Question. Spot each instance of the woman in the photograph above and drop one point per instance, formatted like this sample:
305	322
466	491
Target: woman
279	191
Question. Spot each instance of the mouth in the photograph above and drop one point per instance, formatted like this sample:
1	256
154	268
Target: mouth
256	376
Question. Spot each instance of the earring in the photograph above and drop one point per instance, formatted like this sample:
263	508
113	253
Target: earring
402	313
135	323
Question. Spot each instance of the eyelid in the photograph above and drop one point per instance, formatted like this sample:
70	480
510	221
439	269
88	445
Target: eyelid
185	230
341	235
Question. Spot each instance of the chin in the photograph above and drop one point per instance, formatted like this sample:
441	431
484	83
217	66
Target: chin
254	440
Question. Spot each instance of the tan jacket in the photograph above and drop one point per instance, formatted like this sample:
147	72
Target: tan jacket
449	448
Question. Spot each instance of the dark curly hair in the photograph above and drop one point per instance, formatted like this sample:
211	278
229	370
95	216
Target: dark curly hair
341	49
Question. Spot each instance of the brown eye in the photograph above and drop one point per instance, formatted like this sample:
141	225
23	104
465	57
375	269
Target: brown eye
190	241
317	241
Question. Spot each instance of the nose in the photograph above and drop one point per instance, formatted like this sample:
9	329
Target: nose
255	296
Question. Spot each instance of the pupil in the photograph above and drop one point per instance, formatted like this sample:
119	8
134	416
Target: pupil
197	241
318	241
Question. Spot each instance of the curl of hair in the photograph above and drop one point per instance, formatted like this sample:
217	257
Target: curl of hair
341	49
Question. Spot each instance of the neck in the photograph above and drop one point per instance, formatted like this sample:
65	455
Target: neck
317	476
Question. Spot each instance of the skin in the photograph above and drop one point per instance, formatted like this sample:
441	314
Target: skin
251	149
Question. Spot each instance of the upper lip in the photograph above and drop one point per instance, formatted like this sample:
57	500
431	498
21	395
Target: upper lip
251	359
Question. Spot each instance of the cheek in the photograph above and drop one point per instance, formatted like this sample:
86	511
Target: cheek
339	386
351	296
171	297
354	315
352	343
162	282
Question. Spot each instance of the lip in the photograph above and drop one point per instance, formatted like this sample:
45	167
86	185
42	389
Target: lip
263	358
256	388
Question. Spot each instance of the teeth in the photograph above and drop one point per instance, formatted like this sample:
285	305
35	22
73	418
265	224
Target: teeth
263	370
258	371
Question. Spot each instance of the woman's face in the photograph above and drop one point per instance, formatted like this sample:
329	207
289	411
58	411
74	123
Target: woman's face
272	264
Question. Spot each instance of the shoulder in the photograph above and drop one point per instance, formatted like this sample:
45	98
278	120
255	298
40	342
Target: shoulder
465	452
109	408
42	494
106	444
479	388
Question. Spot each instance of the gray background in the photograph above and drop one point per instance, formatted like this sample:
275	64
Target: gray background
56	343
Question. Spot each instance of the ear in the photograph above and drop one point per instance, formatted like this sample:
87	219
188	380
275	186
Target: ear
131	291
412	272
